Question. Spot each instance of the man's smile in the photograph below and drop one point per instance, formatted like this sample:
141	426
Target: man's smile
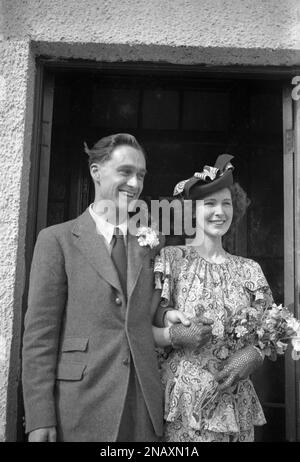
129	194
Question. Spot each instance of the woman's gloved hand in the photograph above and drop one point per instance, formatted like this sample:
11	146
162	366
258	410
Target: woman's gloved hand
196	335
239	366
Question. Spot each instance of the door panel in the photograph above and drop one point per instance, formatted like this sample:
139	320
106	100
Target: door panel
289	259
45	151
296	127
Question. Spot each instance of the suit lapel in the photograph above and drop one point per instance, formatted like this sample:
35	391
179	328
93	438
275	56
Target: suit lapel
135	257
92	245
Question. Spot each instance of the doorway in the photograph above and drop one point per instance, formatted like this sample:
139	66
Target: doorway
184	122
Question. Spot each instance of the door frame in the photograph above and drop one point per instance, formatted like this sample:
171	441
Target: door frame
40	155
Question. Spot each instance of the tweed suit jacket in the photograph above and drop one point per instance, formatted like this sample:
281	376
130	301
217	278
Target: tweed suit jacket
80	334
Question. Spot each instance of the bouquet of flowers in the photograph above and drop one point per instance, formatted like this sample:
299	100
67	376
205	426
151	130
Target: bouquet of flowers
269	329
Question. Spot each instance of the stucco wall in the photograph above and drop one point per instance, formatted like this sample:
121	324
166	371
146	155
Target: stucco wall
186	31
264	32
221	23
15	140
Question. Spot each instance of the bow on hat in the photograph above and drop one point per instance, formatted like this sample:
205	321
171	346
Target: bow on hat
209	180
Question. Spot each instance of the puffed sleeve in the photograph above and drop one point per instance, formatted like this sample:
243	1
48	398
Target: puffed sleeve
257	284
163	275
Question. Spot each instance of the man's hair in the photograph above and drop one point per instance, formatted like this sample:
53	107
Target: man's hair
102	150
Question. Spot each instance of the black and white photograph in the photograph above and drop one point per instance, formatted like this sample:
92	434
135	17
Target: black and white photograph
149	223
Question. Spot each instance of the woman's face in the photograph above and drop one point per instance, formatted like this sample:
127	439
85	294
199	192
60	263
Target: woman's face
214	213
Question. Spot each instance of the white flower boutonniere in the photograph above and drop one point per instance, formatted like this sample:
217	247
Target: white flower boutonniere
147	236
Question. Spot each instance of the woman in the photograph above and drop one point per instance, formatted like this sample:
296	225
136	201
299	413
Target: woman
208	396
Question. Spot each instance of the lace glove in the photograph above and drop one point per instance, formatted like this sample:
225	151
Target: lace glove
239	366
195	335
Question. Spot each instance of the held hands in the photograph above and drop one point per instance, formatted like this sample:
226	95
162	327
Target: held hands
43	435
239	366
175	316
188	333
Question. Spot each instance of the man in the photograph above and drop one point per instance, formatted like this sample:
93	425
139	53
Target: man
89	365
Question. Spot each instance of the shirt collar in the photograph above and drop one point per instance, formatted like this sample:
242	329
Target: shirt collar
106	228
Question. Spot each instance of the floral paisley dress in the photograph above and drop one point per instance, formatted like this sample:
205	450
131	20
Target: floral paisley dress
195	410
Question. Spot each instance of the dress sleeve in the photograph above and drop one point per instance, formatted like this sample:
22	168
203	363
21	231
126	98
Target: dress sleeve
163	276
257	284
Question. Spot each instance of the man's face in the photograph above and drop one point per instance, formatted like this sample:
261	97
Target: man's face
121	178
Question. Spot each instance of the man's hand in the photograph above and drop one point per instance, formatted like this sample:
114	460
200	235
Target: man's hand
239	366
196	335
39	435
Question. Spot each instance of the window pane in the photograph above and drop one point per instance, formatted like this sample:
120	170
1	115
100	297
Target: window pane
114	107
206	111
160	109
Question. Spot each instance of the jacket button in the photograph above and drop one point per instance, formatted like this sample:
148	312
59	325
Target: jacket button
126	361
118	301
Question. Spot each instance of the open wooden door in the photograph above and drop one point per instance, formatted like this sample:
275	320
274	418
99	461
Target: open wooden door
291	162
38	192
45	152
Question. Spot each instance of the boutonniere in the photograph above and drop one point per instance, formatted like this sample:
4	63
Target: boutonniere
147	236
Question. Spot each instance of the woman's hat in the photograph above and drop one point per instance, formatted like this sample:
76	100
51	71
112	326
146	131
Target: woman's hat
210	180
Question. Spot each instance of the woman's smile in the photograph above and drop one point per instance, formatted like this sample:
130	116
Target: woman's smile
217	222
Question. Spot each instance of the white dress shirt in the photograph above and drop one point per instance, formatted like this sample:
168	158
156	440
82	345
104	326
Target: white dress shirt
106	229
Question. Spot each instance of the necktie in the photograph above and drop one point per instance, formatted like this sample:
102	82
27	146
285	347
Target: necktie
119	257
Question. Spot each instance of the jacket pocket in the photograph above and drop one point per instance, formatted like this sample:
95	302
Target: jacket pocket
70	371
74	344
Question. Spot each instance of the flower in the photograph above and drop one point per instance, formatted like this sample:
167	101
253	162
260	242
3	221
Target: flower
293	324
275	312
267	328
260	332
296	343
281	347
240	331
147	236
222	352
218	328
253	312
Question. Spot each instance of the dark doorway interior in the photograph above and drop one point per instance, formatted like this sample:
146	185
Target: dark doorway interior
184	123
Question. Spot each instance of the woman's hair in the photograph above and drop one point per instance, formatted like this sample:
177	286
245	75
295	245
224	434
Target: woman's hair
240	202
102	150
